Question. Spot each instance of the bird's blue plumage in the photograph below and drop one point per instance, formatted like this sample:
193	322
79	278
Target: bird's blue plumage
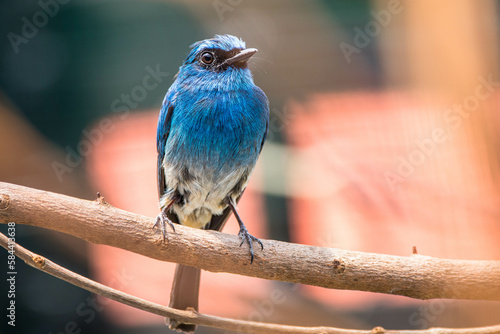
211	129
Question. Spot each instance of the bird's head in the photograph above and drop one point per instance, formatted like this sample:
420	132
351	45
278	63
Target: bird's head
220	60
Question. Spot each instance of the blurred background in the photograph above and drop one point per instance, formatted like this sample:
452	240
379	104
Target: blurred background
384	134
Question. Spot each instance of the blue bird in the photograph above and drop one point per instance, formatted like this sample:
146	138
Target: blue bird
211	129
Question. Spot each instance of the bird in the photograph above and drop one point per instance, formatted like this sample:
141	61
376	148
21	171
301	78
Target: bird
211	130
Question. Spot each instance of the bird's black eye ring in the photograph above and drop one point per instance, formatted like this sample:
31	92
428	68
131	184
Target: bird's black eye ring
207	58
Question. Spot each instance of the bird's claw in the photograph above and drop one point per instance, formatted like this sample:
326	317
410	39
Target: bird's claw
245	236
161	222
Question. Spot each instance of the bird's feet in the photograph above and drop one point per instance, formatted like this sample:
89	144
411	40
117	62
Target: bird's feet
245	236
161	222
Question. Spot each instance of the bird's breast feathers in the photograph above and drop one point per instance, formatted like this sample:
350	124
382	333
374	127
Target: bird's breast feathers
212	148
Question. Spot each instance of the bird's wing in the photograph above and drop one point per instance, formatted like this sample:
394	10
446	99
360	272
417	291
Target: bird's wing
162	133
264	137
265	104
164	124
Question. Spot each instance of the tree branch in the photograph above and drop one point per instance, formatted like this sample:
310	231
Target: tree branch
415	276
47	266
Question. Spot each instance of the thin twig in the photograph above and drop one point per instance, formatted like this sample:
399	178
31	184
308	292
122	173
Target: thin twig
414	276
49	267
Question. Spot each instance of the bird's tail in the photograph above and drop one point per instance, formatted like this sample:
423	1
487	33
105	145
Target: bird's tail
184	294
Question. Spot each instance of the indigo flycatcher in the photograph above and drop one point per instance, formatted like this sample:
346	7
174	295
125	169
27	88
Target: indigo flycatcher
212	125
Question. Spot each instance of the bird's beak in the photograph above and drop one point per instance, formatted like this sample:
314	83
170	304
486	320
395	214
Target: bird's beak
242	56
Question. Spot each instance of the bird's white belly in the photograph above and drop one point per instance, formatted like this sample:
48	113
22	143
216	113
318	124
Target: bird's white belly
204	194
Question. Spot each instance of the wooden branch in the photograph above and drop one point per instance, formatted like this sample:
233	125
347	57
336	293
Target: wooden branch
415	276
47	266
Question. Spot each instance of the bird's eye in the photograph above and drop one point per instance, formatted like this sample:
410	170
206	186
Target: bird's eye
207	58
